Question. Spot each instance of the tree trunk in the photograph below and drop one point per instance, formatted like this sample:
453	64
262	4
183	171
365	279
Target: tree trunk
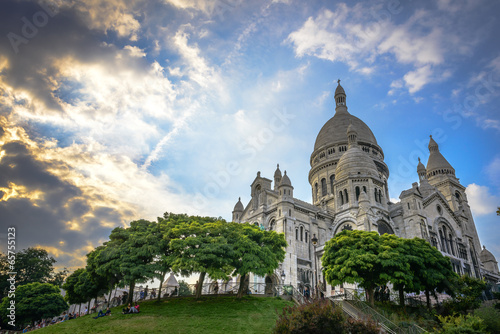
161	284
401	297
130	298
200	285
109	298
371	300
88	308
428	299
242	285
80	309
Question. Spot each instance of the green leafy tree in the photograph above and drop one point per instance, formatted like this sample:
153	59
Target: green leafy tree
198	244
99	269
395	257
254	251
70	286
31	265
355	257
431	270
34	301
90	287
467	293
130	254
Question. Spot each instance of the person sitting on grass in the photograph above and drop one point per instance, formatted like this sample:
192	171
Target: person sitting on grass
126	309
134	309
103	314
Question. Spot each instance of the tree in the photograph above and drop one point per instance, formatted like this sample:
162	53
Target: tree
254	251
353	257
395	257
90	286
431	271
70	286
198	244
31	265
130	254
498	211
467	293
34	301
100	270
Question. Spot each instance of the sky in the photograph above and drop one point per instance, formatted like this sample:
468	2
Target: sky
112	111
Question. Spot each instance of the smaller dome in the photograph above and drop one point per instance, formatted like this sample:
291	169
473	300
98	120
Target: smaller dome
486	256
277	173
420	166
285	181
437	163
354	162
239	206
339	90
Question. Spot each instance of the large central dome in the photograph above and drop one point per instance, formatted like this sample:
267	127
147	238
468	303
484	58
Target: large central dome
333	132
331	151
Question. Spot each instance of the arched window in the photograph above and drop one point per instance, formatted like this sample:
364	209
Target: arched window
346	196
357	193
383	228
316	191
376	195
272	225
306	238
332	179
302	233
341	198
380	196
296	234
289	212
364	189
323	187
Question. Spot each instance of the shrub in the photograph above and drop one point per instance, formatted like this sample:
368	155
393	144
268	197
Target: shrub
361	327
490	317
320	317
462	324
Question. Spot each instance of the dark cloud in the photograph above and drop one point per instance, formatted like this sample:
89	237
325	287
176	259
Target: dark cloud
32	51
44	219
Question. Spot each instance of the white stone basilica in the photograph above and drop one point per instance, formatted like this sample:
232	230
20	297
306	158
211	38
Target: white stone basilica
348	178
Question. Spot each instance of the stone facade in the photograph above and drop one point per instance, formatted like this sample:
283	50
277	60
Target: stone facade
348	179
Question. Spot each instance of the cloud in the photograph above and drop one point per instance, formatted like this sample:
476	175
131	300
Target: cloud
481	201
493	171
361	34
415	80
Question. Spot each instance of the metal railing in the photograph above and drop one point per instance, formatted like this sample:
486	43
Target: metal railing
353	306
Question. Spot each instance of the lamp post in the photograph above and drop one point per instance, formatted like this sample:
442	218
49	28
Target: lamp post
314	241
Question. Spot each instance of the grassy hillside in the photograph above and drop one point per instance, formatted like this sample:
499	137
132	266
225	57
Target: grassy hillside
222	314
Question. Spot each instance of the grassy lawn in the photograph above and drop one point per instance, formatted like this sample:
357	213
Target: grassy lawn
222	314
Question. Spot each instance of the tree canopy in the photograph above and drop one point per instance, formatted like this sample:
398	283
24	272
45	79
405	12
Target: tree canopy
31	265
254	251
353	257
35	301
199	245
371	260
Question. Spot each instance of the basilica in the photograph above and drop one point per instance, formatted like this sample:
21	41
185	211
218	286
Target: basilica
348	178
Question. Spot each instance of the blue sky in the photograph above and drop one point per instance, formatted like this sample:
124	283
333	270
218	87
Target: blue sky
119	110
